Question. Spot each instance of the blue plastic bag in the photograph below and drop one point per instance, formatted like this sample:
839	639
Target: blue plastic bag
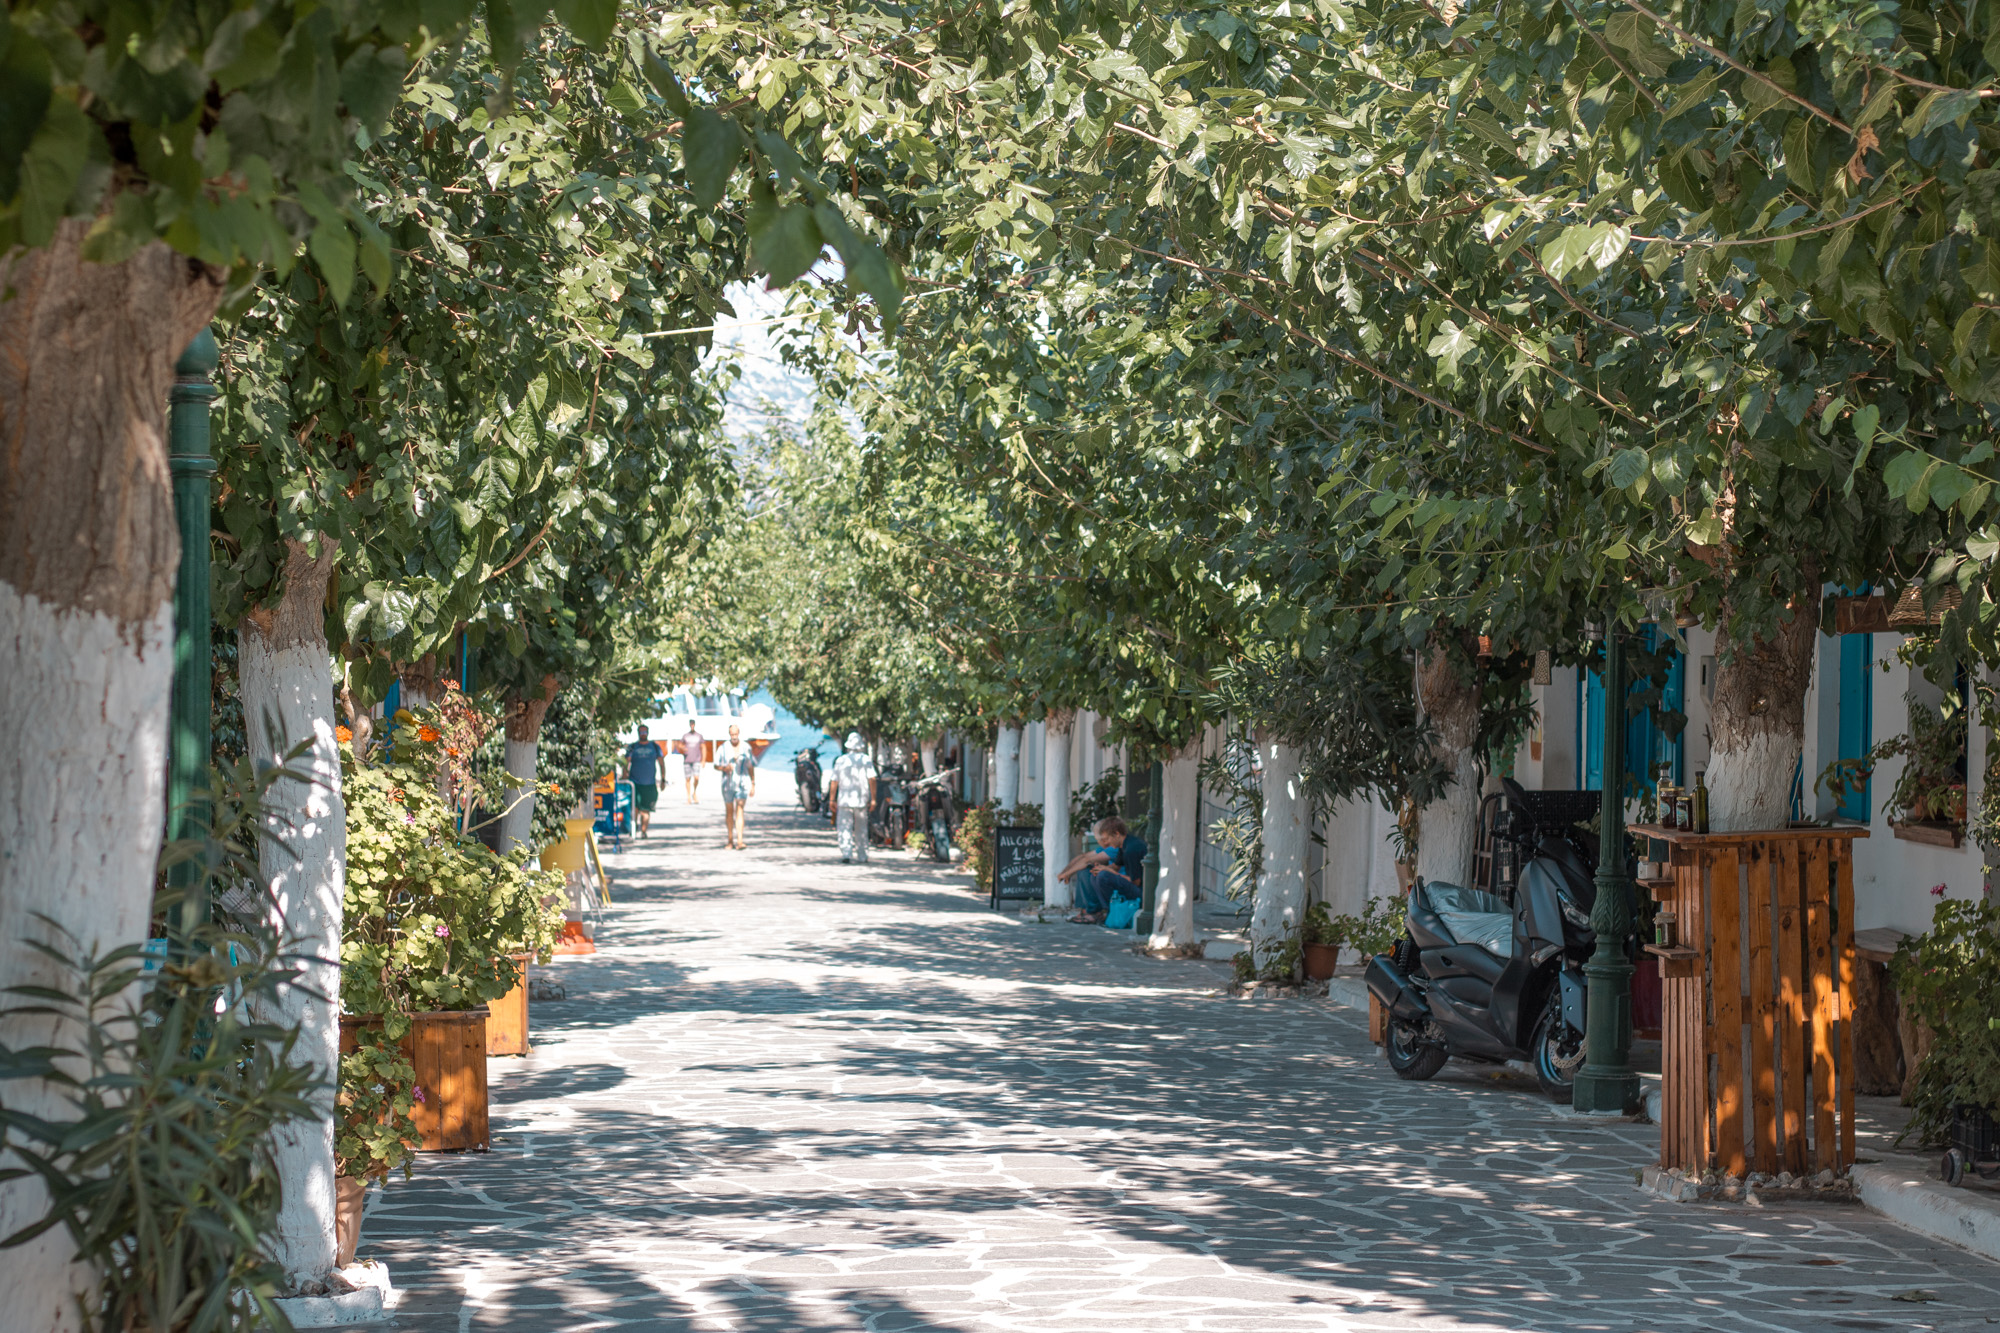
1120	912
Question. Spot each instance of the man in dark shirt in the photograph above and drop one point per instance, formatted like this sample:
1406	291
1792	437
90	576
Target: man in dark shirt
1117	869
642	766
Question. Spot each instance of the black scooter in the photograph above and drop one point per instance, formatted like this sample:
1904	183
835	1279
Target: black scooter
1484	978
805	771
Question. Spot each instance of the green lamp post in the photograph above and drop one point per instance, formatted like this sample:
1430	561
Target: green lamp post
188	736
1607	1083
1149	891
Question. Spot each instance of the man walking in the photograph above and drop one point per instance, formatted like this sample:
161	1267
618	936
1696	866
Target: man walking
643	759
690	748
853	796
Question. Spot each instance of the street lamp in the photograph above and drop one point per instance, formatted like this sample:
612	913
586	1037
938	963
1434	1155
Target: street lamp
1607	1083
188	730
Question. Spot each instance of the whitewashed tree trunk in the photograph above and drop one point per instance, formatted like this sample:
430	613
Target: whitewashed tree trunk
1055	806
1180	841
1758	720
1281	889
88	550
1007	766
1448	693
524	743
287	683
927	751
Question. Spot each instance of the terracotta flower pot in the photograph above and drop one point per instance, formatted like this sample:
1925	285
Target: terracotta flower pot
1320	961
350	1194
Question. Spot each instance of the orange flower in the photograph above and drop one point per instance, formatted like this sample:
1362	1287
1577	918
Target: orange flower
396	795
343	734
429	735
451	750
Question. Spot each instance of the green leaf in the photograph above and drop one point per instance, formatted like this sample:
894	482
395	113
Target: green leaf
661	76
590	21
1628	467
51	168
332	247
787	244
624	97
24	100
711	145
1451	345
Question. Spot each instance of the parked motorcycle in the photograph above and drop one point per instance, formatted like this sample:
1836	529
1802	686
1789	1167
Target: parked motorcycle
1493	978
806	773
889	820
934	809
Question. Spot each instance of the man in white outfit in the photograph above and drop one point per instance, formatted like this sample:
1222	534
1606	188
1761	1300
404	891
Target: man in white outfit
853	796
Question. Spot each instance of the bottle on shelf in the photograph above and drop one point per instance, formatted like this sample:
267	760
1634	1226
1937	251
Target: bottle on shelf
1699	801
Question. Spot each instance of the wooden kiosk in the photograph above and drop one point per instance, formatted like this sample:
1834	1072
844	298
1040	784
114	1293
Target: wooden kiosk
1757	1046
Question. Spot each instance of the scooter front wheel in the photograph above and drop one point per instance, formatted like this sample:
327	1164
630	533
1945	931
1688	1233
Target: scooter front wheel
1410	1055
1558	1054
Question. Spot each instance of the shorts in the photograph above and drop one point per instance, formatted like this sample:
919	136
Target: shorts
690	769
735	787
645	795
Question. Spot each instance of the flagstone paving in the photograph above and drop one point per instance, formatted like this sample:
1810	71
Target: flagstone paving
791	1096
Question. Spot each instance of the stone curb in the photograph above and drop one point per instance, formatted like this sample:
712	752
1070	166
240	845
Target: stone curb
1904	1193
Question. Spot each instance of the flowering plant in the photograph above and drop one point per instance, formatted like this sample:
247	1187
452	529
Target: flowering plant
431	914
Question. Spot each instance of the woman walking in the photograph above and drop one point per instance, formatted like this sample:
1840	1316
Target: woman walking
737	763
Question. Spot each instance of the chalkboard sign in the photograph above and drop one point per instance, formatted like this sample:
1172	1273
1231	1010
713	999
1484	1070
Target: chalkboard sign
1017	865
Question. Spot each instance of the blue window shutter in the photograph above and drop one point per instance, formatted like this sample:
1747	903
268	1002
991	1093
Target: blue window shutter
1857	714
1592	730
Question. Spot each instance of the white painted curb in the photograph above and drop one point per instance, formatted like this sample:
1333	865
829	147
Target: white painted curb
371	1301
1904	1193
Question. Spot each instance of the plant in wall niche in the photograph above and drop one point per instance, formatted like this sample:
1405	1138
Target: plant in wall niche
1232	775
1931	787
1099	800
1949	980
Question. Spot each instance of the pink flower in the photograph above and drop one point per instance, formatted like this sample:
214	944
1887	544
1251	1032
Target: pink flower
1937	890
444	932
417	1095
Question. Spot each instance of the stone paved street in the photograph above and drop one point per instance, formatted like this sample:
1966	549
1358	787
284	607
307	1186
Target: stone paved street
789	1096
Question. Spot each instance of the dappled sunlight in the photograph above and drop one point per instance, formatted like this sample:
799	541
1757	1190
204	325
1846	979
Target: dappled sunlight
788	1094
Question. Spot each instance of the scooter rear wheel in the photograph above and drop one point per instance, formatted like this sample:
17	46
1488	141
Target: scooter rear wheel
1409	1055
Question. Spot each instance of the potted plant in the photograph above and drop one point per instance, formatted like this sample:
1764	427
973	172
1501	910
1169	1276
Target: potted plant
1949	982
1320	937
374	1132
1928	801
434	920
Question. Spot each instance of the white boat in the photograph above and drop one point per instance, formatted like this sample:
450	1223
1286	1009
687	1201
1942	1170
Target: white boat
713	709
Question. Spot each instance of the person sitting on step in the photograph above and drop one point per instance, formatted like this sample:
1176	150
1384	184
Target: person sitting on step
1116	869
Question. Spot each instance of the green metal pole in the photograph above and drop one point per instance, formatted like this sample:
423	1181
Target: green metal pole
1607	1083
1143	923
188	736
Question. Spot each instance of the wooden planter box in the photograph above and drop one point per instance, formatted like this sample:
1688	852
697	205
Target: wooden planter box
1757	1040
448	1049
507	1017
1936	835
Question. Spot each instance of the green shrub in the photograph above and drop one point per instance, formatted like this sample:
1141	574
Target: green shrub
1949	980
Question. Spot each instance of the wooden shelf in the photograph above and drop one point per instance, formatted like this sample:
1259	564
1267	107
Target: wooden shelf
1675	953
1796	832
1661	889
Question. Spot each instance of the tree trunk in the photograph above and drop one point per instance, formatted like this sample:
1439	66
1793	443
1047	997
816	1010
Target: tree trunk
1007	765
1055	805
88	550
1448	693
1281	889
524	742
927	753
1758	720
1180	843
287	682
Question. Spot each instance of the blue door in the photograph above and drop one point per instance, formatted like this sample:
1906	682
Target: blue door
1857	714
1646	745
